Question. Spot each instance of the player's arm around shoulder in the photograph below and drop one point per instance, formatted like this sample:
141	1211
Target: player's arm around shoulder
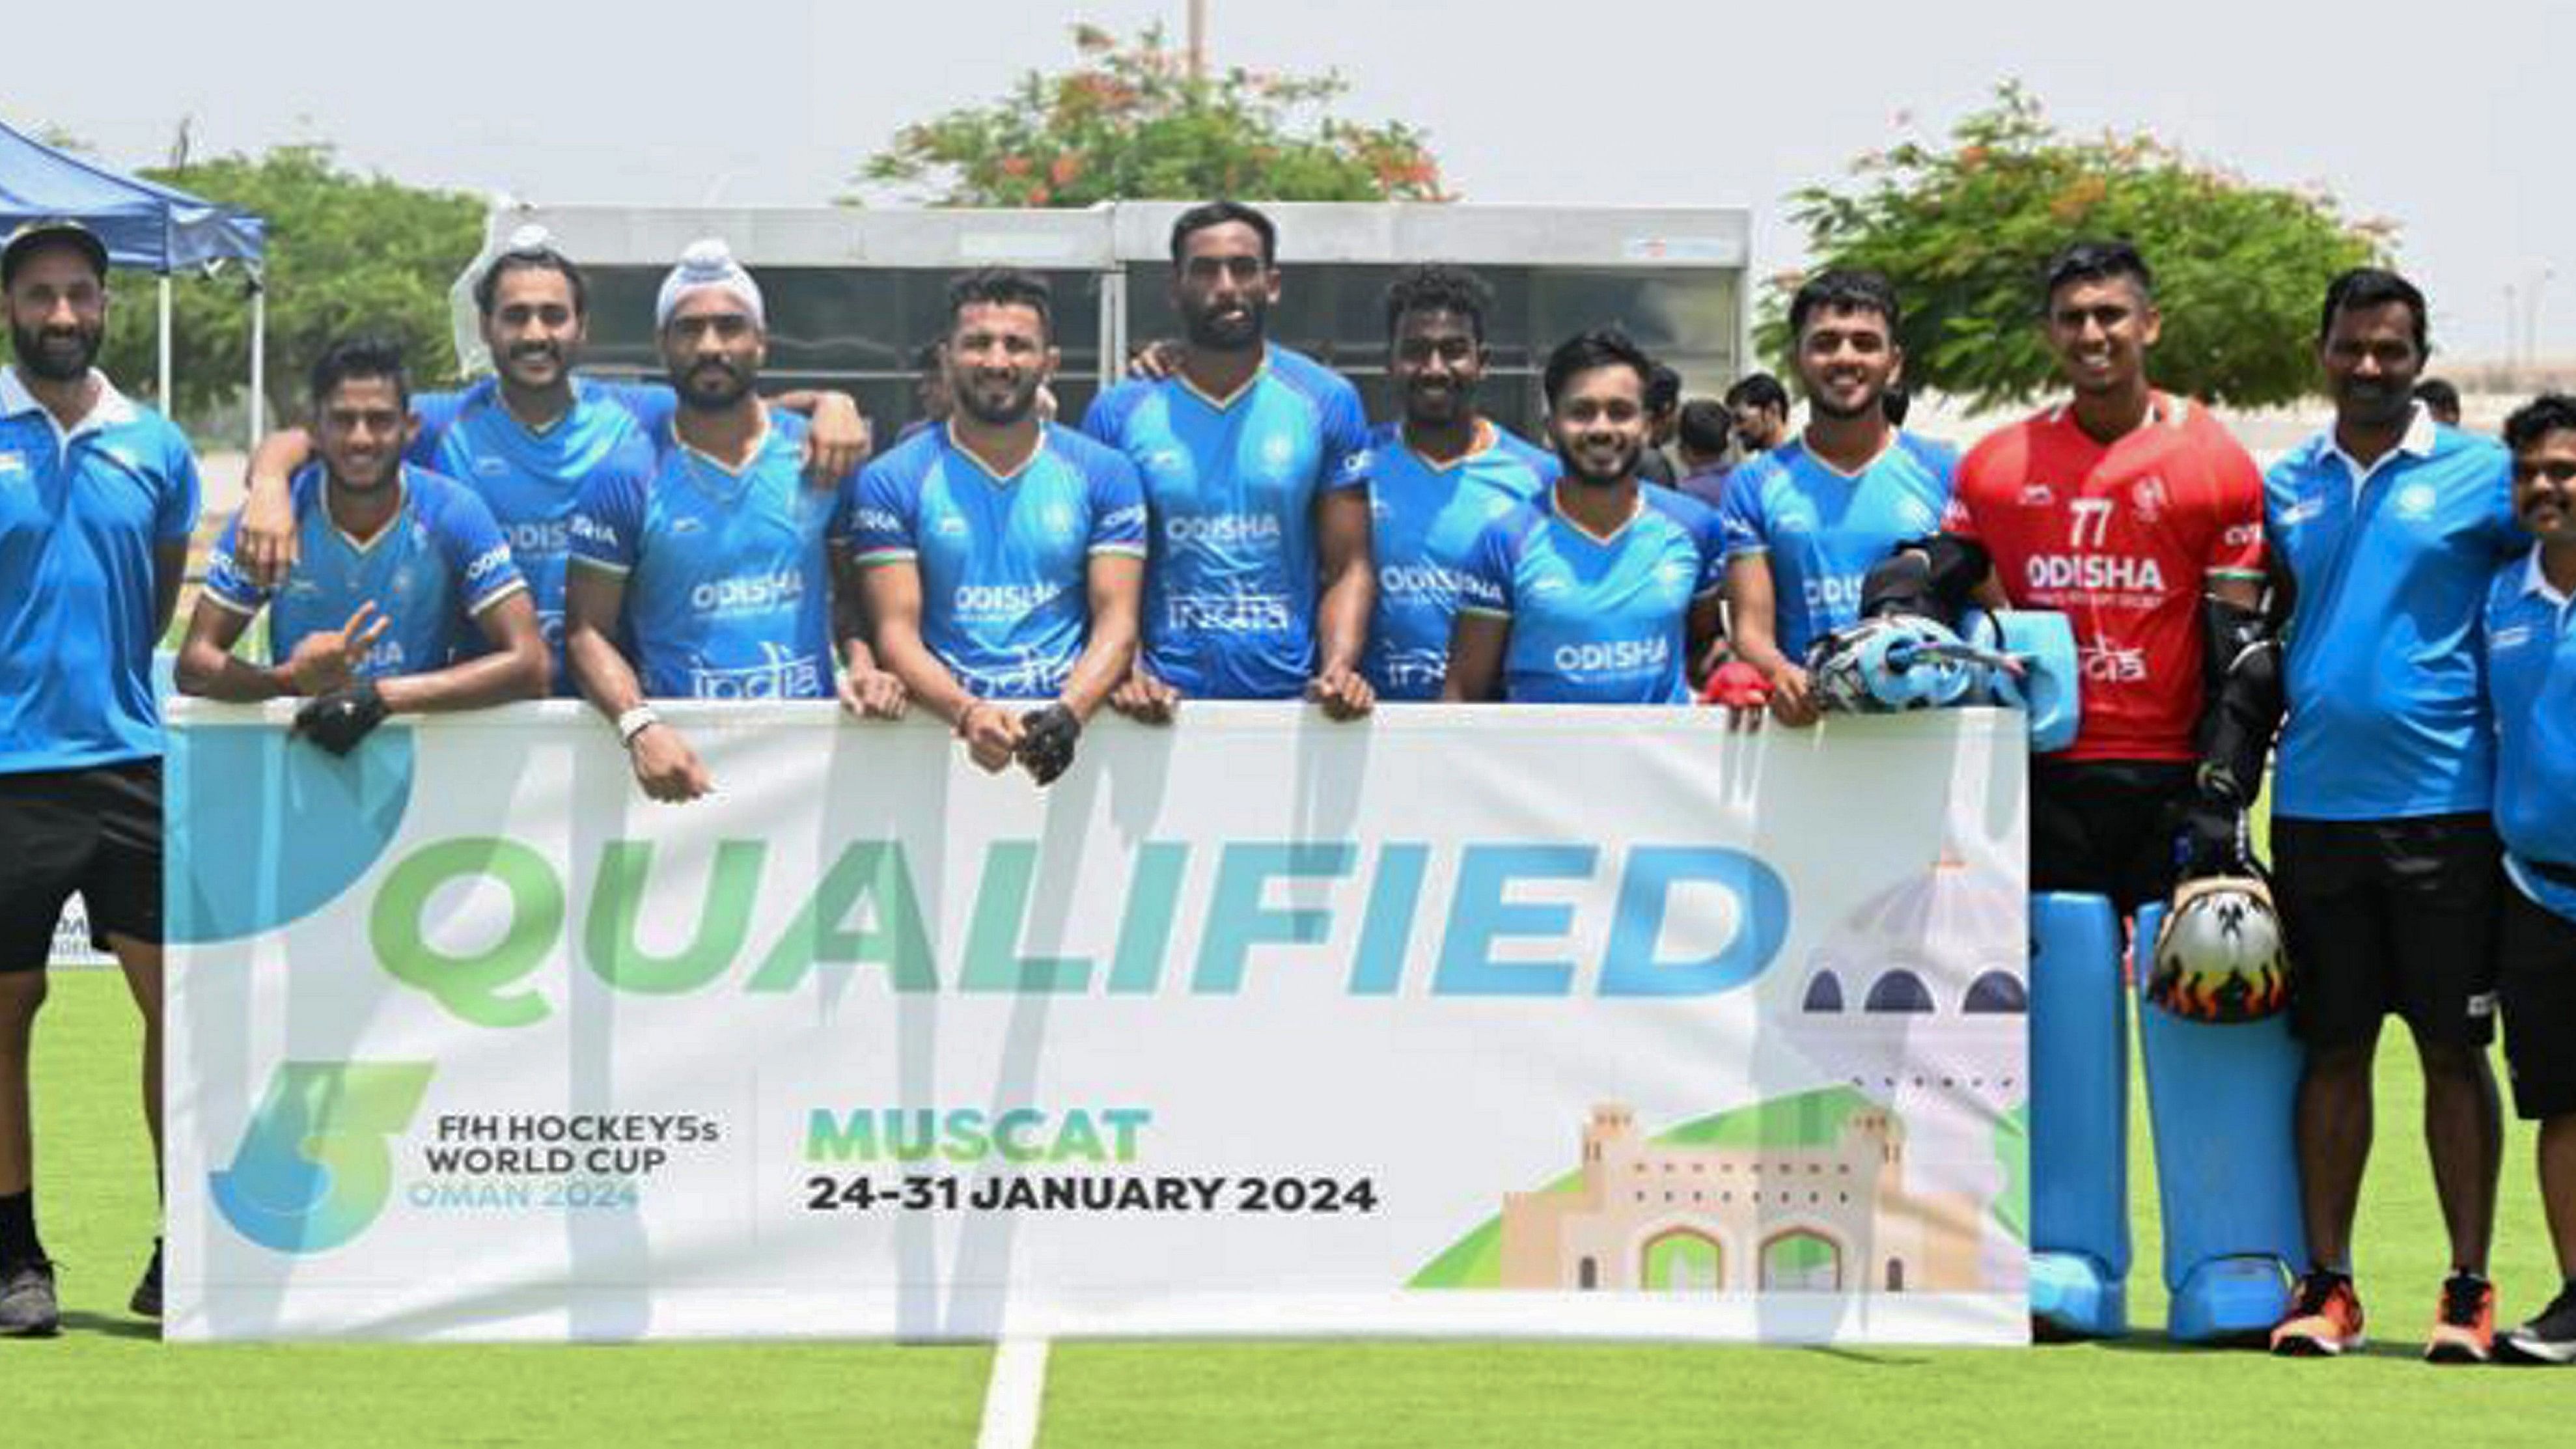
226	603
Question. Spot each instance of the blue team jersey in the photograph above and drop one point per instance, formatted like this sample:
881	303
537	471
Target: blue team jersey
2531	682
1424	521
1230	493
81	518
1594	620
1820	529
434	567
2387	719
728	586
1004	561
531	480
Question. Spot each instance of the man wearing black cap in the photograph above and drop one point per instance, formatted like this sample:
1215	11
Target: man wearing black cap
97	498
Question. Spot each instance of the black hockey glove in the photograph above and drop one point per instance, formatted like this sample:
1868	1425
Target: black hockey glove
1047	740
338	720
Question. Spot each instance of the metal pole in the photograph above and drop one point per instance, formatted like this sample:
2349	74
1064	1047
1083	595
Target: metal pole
258	357
1198	40
162	398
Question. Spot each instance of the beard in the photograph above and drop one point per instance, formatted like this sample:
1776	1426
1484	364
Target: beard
1228	334
1577	472
1822	405
2375	402
996	409
712	386
1440	409
56	356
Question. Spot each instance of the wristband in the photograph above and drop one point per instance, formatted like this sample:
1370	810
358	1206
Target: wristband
635	722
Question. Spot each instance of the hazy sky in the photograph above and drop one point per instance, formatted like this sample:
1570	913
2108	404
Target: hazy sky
2440	117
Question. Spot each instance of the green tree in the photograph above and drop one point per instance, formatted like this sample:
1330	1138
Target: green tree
1129	121
346	253
1965	232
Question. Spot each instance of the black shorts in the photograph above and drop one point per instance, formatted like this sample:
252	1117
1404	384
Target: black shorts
2106	827
96	831
2536	983
2389	916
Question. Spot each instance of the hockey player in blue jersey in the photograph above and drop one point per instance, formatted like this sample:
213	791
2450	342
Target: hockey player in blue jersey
1002	557
714	565
1437	475
399	565
1254	460
1804	521
526	438
1601	590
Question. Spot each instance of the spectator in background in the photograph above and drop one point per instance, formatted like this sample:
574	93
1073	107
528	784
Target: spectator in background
1663	415
930	390
2440	399
1761	408
1705	439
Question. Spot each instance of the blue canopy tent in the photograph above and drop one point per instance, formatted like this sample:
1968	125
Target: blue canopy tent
146	225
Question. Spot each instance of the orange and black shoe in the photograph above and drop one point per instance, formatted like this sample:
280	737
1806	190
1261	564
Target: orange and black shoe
2464	1329
2326	1320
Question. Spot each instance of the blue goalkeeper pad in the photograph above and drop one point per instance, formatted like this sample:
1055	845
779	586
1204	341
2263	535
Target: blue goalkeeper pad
2079	1119
2221	1100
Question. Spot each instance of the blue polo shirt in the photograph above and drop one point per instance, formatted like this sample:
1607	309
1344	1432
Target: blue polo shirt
1004	561
81	515
1819	529
1230	492
432	570
2387	715
2531	680
1596	620
1424	521
531	479
728	587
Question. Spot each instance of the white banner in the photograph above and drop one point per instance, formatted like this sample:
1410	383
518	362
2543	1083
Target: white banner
1509	1021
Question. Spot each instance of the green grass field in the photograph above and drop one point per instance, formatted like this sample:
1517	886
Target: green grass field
109	1382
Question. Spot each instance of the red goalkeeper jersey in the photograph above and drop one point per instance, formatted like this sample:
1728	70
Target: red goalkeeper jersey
2122	539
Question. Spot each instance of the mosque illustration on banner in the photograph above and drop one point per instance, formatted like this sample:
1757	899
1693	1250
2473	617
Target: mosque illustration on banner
1906	1174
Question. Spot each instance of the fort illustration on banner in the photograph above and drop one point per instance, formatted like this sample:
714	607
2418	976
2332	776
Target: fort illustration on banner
1831	1218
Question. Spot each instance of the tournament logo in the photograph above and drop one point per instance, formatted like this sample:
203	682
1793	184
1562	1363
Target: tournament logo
2147	496
315	1165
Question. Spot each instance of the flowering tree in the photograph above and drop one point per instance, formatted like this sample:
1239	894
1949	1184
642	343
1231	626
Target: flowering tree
1966	231
1130	121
